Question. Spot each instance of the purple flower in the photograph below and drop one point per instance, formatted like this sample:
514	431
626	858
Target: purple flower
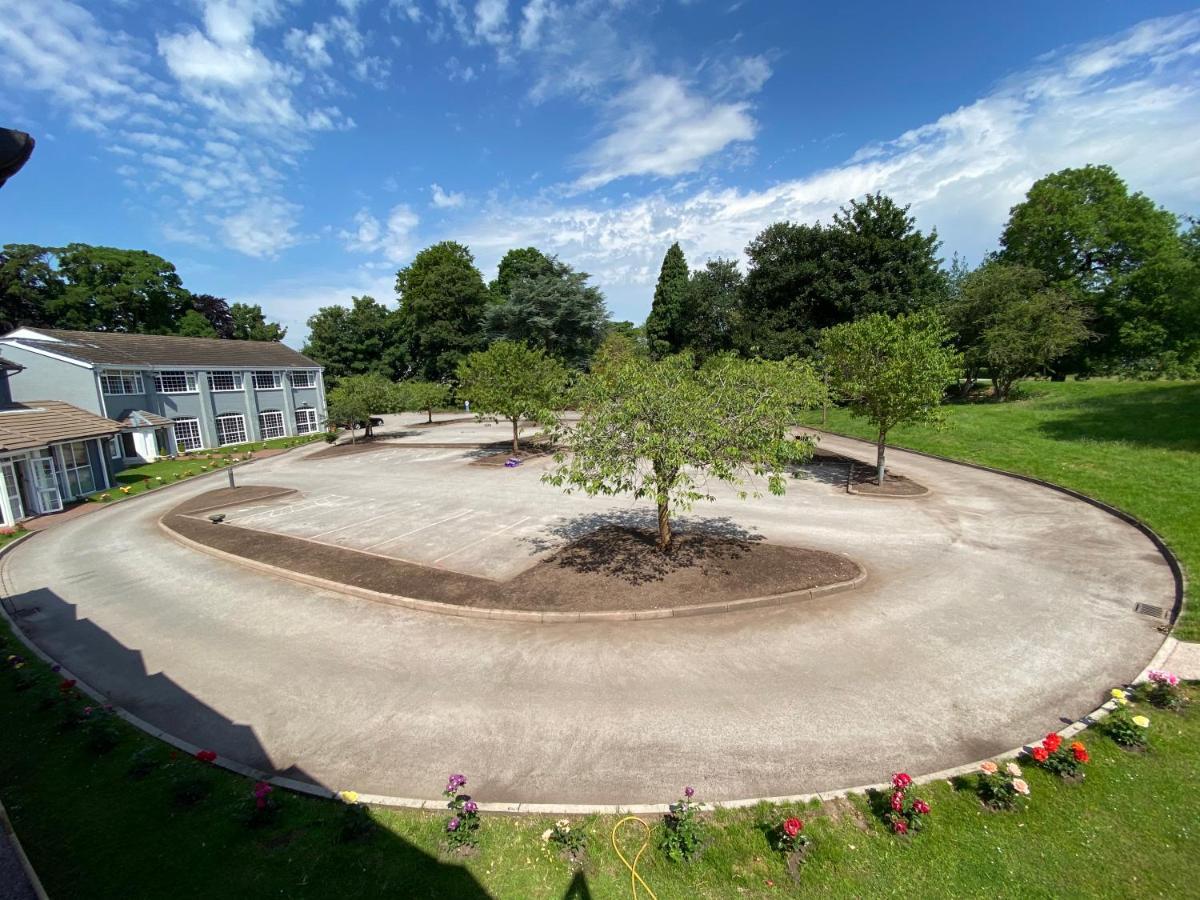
56	668
470	807
689	792
453	824
455	782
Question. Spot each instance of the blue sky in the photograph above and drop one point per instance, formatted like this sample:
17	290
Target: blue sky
293	154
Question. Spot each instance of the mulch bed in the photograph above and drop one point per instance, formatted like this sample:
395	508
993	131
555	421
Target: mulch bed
859	478
613	568
457	421
503	453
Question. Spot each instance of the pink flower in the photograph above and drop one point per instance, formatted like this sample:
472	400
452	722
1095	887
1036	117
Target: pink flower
900	826
792	826
898	801
1020	786
989	767
921	807
901	780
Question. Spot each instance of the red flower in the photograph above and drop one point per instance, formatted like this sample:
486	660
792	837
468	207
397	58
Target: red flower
1080	751
921	806
900	826
900	781
792	826
1040	754
898	801
1052	741
66	685
206	756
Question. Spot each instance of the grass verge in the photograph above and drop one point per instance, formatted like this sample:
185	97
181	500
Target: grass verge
1134	445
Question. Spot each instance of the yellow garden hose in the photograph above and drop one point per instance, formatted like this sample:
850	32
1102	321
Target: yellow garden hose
634	877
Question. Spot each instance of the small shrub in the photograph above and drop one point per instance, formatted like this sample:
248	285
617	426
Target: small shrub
684	833
357	824
190	789
904	814
143	762
1065	762
462	828
263	808
1162	690
1125	728
788	836
999	788
101	728
330	437
570	841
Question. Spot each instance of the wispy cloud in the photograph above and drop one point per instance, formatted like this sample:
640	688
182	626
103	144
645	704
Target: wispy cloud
392	239
445	199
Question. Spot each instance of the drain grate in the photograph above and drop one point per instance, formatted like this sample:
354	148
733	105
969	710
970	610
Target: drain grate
1147	610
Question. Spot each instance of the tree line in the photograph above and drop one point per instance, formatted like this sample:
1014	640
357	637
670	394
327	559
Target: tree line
87	288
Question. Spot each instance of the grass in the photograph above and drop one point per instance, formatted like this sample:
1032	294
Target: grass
1134	445
92	830
10	534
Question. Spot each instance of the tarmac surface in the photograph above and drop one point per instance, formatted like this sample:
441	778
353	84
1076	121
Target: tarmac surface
994	611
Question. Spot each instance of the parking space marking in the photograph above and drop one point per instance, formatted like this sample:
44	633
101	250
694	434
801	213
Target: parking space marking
486	537
397	537
359	523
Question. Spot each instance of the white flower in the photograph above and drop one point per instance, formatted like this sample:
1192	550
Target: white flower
1013	769
564	824
547	834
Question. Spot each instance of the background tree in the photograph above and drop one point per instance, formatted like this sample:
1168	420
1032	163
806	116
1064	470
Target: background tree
194	324
442	300
110	289
666	326
713	300
1122	254
247	323
662	429
29	284
556	310
524	262
891	371
358	397
424	396
215	311
512	381
363	339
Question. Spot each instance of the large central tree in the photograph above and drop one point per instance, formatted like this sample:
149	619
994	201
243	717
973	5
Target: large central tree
361	340
666	326
442	302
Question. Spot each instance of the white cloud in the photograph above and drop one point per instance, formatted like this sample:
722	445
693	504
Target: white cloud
659	127
533	16
456	71
407	8
491	17
445	200
262	228
393	239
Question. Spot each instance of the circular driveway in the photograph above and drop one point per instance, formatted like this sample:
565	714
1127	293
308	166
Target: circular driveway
994	611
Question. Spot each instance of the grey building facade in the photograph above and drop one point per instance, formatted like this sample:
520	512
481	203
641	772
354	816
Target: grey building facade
172	393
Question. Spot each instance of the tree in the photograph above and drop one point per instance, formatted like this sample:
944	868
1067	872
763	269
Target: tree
194	324
358	397
713	298
29	283
442	300
247	323
891	371
556	310
525	262
110	289
662	429
215	311
1125	258
424	396
1010	320
667	323
513	381
361	340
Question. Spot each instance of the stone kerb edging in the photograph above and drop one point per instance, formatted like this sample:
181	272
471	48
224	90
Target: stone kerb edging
316	790
1160	545
514	615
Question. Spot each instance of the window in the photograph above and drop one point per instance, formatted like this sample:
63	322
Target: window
231	429
303	379
306	420
121	381
175	382
187	434
77	469
267	381
225	381
270	423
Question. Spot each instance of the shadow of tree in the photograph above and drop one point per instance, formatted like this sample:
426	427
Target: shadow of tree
1160	415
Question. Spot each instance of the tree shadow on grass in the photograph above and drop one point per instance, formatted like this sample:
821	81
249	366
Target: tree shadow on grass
119	673
1164	416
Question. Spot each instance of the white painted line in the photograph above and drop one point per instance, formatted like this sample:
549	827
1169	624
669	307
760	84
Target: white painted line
486	537
457	515
390	512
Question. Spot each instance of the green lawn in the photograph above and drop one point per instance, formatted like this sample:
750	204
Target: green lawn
92	830
1134	445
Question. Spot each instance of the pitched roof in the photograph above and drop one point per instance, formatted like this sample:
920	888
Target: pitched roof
114	348
139	418
37	423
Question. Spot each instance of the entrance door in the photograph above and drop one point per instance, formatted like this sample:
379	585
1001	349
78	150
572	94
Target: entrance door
48	496
13	490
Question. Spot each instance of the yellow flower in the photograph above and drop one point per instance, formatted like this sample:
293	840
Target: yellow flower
349	796
1118	694
1141	721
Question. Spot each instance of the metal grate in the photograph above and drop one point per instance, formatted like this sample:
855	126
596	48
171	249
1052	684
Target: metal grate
1147	610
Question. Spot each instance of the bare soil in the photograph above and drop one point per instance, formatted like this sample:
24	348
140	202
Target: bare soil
612	568
858	478
500	453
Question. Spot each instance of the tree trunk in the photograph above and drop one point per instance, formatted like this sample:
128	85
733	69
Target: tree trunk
430	411
367	429
516	445
880	451
664	527
352	430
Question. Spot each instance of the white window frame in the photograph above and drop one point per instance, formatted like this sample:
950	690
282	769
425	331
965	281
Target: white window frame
190	441
274	380
306	420
235	379
126	381
308	376
189	381
277	429
221	432
73	471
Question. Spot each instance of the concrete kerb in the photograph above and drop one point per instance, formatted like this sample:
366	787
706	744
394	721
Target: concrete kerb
22	859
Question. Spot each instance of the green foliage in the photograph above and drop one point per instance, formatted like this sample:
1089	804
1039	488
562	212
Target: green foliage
890	371
247	323
215	311
729	421
550	306
358	397
512	381
712	308
193	324
666	326
423	396
361	340
684	833
1119	726
524	262
109	289
442	302
1125	258
29	284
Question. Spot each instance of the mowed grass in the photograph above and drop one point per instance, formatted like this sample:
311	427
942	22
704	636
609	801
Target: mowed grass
92	830
1134	445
